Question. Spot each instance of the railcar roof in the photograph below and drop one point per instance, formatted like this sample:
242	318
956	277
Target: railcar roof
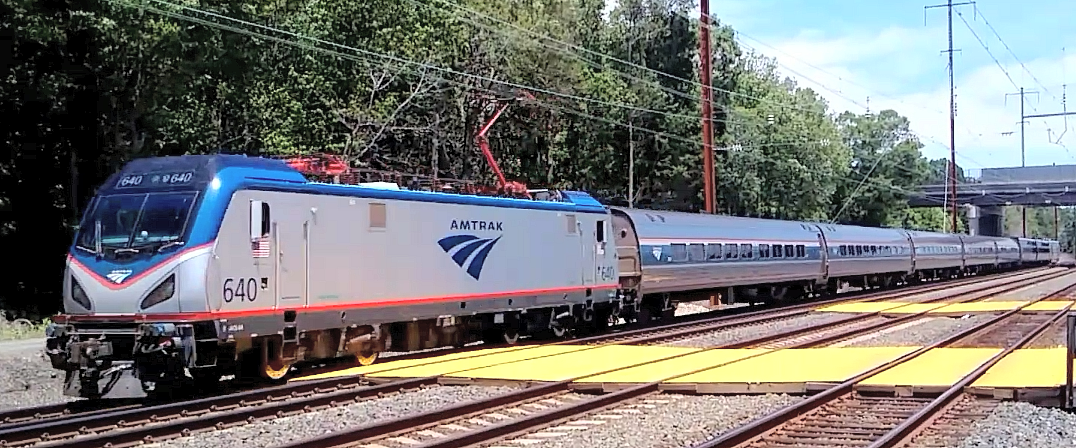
276	175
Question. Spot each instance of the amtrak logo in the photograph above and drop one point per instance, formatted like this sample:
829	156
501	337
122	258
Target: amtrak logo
119	275
656	251
467	245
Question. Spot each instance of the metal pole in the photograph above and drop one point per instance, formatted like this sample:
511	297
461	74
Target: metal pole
952	104
1023	163
952	117
631	162
1069	347
707	113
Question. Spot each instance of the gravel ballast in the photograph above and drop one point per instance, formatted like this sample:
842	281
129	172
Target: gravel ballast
273	432
747	332
1036	291
1016	424
921	332
1052	337
27	379
672	421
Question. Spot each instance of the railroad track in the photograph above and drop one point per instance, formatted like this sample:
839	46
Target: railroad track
842	417
135	425
488	424
704	322
841	329
688	326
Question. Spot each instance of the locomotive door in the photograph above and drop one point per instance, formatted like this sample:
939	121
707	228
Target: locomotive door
292	243
589	248
263	245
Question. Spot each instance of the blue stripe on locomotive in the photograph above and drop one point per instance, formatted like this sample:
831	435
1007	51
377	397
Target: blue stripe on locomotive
223	175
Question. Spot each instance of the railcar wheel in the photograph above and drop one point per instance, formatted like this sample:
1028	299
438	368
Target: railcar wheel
366	359
275	370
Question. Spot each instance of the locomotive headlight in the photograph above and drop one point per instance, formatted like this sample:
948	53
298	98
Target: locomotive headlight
162	292
79	296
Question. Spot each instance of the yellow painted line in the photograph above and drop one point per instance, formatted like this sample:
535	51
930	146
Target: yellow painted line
1053	305
980	307
863	307
391	365
456	365
1032	367
799	365
916	308
662	370
938	307
574	364
938	367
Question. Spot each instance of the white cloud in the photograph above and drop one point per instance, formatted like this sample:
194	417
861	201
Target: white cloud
894	59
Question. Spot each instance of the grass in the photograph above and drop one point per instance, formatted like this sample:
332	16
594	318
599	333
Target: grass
22	329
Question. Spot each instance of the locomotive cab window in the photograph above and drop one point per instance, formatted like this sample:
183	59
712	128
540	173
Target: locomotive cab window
599	231
259	220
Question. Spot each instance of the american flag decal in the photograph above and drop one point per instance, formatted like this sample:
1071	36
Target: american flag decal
260	247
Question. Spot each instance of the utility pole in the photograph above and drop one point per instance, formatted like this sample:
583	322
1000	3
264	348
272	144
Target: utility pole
952	102
707	113
1023	152
631	131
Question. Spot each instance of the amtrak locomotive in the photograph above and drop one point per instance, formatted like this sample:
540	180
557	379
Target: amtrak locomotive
193	267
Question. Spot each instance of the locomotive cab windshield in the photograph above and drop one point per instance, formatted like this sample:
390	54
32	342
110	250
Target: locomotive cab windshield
129	224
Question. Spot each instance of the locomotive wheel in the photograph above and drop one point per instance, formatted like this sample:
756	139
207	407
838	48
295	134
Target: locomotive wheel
510	336
367	359
506	335
275	370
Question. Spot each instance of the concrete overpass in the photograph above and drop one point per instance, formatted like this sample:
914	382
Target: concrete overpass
1035	186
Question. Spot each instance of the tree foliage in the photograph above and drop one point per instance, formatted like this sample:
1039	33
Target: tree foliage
405	85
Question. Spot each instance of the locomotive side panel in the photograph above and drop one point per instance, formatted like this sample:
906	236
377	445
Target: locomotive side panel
392	260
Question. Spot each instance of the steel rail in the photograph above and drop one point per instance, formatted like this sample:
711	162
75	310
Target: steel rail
486	434
715	320
240	406
757	428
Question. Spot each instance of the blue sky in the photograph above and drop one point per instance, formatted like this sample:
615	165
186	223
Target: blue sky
849	50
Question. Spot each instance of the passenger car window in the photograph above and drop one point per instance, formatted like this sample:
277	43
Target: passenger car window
679	252
713	251
696	252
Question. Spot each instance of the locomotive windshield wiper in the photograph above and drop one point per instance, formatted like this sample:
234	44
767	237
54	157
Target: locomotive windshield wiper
127	250
170	244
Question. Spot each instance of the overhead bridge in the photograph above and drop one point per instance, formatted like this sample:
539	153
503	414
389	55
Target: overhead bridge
1036	186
